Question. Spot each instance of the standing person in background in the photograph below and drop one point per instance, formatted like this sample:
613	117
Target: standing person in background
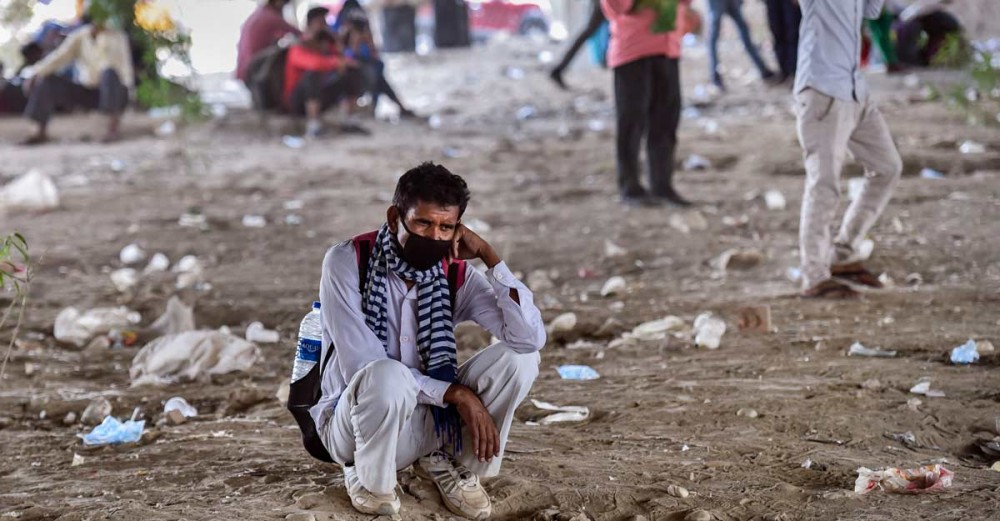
644	52
733	8
593	24
837	115
263	28
783	18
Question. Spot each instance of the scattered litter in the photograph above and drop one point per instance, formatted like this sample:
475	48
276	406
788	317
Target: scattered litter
526	112
911	81
192	219
678	491
166	129
178	403
293	219
971	147
739	259
539	280
854	187
658	329
906	438
612	250
807	464
614	286
257	333
985	347
596	126
688	221
514	73
563	323
966	353
117	165
930	173
696	162
774	200
858	349
78	329
886	280
293	204
995	467
190	271
577	372
254	221
562	413
793	274
913	404
708	330
435	121
755	319
77	460
914	279
690	113
748	413
31	191
865	249
69	419
911	481
293	142
924	387
158	263
96	411
132	254
872	384
192	355
177	318
124	279
113	432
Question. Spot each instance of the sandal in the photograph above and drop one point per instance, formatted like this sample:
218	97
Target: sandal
855	272
831	289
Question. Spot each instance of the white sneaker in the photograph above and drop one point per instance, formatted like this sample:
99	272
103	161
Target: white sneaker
366	502
459	487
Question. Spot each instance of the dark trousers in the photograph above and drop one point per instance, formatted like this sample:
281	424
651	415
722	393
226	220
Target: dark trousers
326	87
110	96
784	17
596	19
648	105
376	84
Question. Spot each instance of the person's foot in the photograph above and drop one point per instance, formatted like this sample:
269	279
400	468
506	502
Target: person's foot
408	114
672	198
855	272
556	77
460	490
830	289
36	139
314	129
768	76
367	502
717	81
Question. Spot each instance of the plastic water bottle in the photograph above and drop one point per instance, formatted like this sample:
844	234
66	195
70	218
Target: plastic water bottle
310	345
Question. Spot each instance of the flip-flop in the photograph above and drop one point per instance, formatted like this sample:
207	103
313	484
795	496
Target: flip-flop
830	289
855	272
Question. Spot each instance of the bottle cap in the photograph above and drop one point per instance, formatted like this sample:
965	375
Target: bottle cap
316	305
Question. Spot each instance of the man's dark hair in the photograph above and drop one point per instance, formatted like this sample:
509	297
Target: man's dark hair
316	13
431	183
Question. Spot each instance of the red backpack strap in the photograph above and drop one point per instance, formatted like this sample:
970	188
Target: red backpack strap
363	245
456	278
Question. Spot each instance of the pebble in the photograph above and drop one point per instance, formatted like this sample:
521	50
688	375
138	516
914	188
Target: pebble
983	347
740	259
175	417
131	254
563	323
539	280
300	517
95	413
69	419
749	413
872	384
614	286
698	515
77	460
30	369
677	491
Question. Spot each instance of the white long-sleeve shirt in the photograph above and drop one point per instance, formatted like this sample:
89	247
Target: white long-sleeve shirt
484	298
91	55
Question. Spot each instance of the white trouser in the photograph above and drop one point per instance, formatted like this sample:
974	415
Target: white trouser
380	429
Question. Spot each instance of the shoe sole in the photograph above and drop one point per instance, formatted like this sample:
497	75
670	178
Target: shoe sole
384	510
444	497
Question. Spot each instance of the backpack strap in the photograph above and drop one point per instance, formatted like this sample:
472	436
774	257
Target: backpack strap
363	245
456	278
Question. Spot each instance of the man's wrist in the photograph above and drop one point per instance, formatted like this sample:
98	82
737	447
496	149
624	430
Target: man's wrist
490	257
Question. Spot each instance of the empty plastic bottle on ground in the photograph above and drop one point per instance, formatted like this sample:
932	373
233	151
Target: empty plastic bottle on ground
310	342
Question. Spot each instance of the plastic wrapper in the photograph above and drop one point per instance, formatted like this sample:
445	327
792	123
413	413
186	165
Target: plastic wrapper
909	481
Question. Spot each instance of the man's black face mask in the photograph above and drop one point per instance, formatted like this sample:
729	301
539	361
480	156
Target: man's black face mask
420	252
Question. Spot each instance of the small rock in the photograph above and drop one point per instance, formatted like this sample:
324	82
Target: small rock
300	517
985	346
614	286
96	411
612	250
688	221
740	259
698	515
539	280
696	162
124	279
677	491
755	319
77	460
995	467
748	413
774	200
914	278
30	369
175	417
254	221
913	404
872	384
158	263
258	334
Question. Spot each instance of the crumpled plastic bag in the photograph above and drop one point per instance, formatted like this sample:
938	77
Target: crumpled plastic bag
113	432
178	318
192	355
78	328
910	481
31	191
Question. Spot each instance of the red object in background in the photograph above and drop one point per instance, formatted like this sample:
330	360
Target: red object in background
866	50
515	17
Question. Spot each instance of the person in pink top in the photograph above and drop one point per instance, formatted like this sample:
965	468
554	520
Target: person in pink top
263	28
647	97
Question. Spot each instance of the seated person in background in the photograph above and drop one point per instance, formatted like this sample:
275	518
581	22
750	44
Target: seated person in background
261	30
359	44
317	75
12	97
104	76
922	30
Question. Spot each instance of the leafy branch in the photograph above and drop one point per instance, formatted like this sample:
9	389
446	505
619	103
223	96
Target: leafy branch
16	272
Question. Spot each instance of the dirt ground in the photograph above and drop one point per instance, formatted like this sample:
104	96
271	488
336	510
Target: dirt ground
663	413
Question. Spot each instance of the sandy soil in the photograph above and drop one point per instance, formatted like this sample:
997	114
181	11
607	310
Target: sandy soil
664	413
